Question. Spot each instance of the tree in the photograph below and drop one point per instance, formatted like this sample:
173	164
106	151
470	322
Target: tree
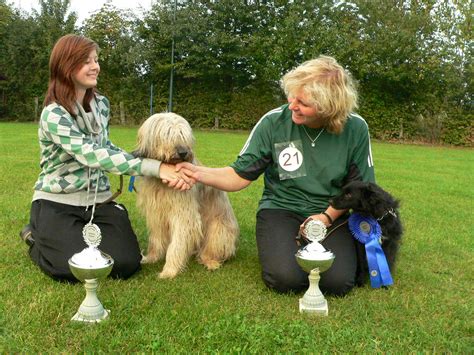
412	58
121	77
53	21
27	42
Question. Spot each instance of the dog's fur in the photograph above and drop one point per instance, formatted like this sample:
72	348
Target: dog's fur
369	199
181	223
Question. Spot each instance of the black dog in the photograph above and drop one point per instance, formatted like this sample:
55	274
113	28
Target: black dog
369	199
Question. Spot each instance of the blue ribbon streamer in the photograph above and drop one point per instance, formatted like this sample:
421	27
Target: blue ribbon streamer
367	231
130	183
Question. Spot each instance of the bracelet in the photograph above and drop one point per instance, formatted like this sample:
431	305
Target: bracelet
328	217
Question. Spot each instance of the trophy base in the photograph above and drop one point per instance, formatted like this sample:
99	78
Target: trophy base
96	318
91	310
321	309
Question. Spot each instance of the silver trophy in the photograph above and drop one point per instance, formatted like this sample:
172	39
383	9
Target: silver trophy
314	259
89	266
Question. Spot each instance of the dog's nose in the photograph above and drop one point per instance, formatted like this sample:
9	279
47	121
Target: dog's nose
183	154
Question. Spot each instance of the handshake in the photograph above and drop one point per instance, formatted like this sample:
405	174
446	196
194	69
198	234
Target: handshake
179	177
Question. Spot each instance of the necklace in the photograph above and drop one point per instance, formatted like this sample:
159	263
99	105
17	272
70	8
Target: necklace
313	141
91	231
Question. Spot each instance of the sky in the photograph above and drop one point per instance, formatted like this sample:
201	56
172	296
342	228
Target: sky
85	7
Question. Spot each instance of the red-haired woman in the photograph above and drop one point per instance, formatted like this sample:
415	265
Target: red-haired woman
75	154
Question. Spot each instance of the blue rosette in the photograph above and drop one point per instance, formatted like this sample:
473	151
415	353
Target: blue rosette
367	231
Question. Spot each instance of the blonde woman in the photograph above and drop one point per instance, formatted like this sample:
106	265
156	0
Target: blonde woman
307	150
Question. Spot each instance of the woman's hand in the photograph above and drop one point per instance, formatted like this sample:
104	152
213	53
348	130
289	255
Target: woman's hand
317	217
189	170
225	179
177	180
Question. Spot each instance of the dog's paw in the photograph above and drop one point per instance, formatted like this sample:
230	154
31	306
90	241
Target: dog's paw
168	274
146	259
211	264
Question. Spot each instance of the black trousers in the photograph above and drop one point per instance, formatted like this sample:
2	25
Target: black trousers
276	231
57	231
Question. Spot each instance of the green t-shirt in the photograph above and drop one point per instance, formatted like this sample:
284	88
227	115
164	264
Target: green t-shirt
299	177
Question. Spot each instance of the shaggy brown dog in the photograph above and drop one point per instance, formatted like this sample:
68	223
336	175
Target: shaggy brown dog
181	224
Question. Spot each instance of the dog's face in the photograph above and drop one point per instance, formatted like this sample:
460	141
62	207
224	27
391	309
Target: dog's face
167	137
365	198
351	196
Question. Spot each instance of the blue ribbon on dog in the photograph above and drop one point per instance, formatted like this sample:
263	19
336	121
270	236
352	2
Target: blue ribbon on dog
130	183
367	231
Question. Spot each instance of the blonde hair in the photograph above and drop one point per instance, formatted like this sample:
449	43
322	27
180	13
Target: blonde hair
328	86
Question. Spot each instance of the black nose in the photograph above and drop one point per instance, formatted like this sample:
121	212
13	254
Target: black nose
183	154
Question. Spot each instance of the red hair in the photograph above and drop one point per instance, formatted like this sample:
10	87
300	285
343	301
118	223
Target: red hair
68	56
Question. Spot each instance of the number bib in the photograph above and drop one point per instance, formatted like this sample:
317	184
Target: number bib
290	160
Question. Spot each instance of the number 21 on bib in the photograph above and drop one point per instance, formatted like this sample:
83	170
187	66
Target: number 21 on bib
290	160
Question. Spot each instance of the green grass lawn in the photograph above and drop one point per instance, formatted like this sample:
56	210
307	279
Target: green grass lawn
429	308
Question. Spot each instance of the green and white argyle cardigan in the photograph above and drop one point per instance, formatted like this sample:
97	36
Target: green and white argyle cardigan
72	156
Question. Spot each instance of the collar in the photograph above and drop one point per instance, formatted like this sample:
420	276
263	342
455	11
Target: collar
389	211
88	121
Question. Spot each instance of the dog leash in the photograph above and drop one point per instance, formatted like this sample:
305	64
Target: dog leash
115	195
131	184
389	211
301	237
335	228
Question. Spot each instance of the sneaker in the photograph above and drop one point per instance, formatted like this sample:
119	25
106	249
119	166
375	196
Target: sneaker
26	235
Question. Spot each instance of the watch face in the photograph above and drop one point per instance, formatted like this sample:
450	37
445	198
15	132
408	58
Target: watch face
315	230
91	235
